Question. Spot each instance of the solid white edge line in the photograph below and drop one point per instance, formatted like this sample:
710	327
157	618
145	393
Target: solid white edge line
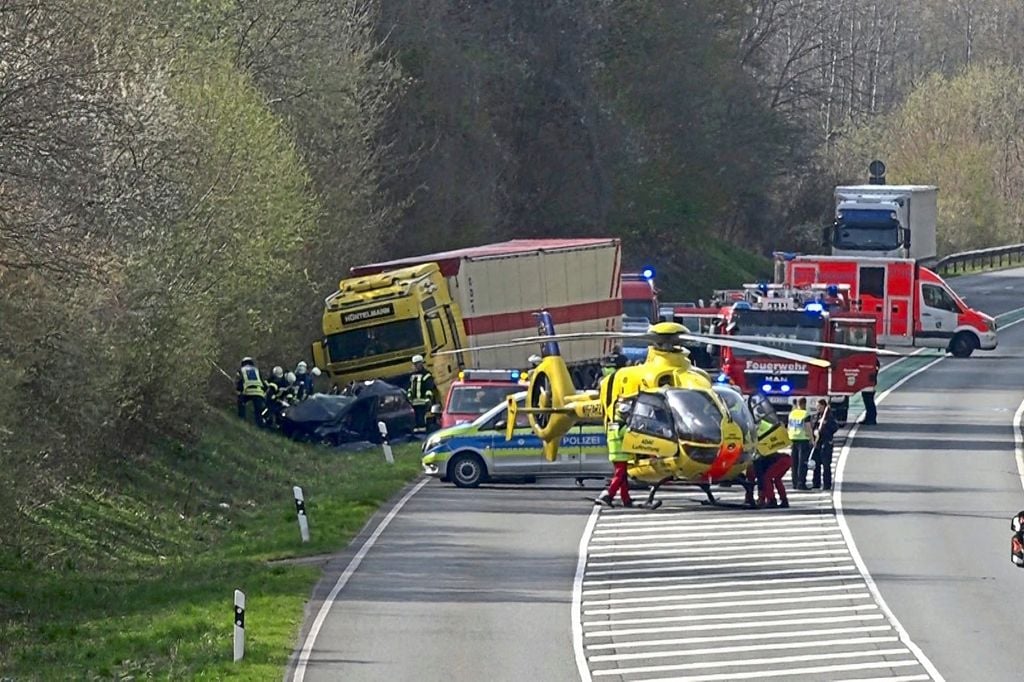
577	598
321	616
1018	442
852	545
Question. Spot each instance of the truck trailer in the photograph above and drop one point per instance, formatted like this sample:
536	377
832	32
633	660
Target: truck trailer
385	313
890	221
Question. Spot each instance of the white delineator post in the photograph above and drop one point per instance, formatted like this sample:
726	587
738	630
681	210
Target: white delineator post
300	509
388	454
239	625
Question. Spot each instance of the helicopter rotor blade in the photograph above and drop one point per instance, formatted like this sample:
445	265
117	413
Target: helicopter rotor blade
800	342
767	350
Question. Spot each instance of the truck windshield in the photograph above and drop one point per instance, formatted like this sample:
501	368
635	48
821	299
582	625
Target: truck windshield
790	325
385	338
869	230
479	399
642	308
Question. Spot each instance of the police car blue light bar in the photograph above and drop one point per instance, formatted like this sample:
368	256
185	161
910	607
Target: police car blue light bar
490	374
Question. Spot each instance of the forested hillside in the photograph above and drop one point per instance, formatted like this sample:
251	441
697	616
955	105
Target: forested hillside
181	183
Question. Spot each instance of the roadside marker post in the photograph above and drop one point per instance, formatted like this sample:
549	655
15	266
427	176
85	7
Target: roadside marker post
388	454
239	639
300	509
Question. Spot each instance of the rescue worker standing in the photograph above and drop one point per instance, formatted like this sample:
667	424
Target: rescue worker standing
825	427
303	381
619	459
250	388
422	391
868	394
798	433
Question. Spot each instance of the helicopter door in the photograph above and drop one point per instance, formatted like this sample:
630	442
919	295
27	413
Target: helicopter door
651	429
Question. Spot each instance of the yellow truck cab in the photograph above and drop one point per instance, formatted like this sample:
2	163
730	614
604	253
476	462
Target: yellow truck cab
374	324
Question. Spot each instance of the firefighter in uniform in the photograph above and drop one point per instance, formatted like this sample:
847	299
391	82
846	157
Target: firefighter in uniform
797	426
619	459
250	388
868	394
422	392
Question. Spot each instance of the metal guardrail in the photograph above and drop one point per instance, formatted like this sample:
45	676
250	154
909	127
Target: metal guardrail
981	259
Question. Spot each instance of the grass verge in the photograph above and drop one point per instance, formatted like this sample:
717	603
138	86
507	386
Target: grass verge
139	569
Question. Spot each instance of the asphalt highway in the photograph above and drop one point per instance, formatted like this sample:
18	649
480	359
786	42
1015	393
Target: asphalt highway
479	584
462	585
929	492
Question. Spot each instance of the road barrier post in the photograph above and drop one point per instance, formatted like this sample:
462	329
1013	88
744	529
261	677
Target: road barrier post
300	509
239	639
388	454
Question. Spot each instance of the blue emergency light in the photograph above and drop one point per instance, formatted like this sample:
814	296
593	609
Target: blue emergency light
766	388
814	307
514	374
648	273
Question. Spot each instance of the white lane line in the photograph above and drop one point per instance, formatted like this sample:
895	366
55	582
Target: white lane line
803	589
576	615
763	517
321	616
775	646
721	557
775	660
1018	442
608	535
756	616
706	586
780	538
705	576
803	623
851	596
772	634
844	456
793	672
837	560
697	517
764	531
897	678
702	548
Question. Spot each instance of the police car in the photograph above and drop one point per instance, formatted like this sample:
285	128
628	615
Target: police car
469	454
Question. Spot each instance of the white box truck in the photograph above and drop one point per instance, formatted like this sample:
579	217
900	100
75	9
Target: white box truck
890	221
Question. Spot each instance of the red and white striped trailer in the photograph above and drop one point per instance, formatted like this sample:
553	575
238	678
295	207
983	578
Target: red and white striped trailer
479	296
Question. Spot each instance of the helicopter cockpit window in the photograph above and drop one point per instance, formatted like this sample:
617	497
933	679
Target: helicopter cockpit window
651	416
698	418
733	399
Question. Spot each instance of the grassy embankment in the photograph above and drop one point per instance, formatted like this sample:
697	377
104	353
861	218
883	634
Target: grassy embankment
140	571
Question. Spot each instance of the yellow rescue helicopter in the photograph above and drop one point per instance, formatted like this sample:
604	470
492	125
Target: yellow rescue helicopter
684	427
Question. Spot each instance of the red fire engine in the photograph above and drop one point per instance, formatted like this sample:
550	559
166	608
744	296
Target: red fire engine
815	313
913	306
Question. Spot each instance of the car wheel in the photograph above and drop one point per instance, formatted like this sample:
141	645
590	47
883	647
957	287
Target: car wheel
467	470
962	345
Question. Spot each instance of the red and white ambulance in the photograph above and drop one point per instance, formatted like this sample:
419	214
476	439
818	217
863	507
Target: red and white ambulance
912	305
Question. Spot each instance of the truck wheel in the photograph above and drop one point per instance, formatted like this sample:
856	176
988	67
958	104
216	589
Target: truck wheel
962	345
467	470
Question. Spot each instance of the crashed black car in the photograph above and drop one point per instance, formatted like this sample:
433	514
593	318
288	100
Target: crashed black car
337	419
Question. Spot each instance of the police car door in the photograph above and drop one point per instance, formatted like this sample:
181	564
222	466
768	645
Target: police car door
520	456
569	452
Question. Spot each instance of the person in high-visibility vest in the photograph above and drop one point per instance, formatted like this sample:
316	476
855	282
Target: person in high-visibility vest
250	388
801	437
422	392
619	459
